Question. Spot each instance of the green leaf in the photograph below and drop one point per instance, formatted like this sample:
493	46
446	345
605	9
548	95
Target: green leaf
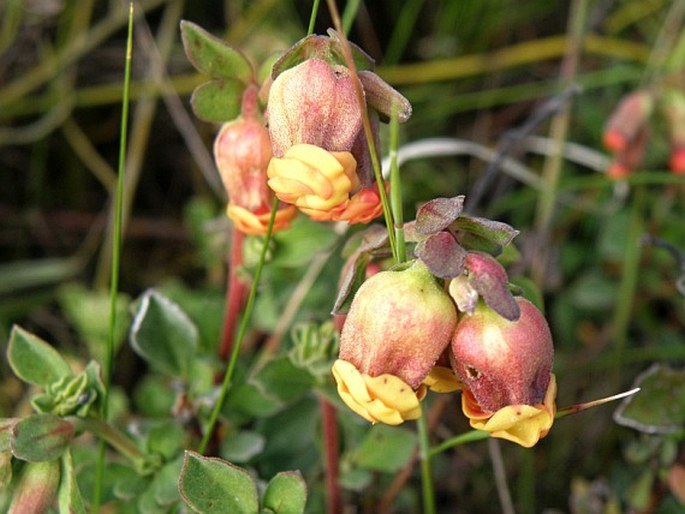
5	469
78	396
88	311
41	437
69	495
286	493
217	101
659	406
163	335
385	448
242	446
34	360
212	56
210	485
6	425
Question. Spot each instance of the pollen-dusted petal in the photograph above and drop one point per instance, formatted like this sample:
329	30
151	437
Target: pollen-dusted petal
521	424
386	398
442	379
255	224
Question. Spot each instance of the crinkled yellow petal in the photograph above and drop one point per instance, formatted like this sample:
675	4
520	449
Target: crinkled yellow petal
255	224
521	424
385	398
442	379
364	206
311	177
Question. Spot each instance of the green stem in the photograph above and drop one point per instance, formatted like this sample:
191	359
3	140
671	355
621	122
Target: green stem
242	329
626	289
425	454
466	437
116	256
396	188
312	17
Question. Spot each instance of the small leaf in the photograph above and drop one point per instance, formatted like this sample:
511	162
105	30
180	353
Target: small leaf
69	495
34	360
210	485
659	407
385	448
242	446
164	335
217	101
441	253
286	493
6	425
383	98
41	437
489	279
212	56
482	234
438	214
355	274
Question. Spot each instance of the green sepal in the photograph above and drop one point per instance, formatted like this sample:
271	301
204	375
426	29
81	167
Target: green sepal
217	101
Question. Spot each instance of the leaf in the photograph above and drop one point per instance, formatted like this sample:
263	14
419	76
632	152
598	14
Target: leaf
441	253
5	470
79	395
217	101
163	335
41	437
34	360
438	214
88	311
488	277
286	493
659	407
242	446
212	56
353	278
210	485
482	234
385	448
69	495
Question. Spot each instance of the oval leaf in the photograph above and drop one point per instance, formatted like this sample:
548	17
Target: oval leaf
34	360
212	56
489	278
286	493
163	335
386	449
438	214
441	254
214	486
217	101
659	408
40	437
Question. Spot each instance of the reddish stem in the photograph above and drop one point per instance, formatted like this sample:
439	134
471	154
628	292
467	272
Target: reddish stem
235	295
331	449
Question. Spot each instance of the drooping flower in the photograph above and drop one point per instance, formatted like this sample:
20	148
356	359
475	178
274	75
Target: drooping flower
398	325
315	103
626	121
505	368
242	152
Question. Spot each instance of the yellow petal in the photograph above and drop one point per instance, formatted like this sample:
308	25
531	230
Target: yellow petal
385	398
441	379
521	424
255	224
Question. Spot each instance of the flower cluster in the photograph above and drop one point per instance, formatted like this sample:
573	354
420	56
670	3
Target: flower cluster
311	150
404	334
627	132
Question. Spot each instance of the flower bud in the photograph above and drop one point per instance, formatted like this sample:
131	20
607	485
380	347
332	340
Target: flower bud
397	326
628	118
37	489
504	362
242	151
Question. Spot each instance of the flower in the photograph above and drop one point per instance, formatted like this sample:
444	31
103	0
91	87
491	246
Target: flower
242	152
503	362
521	424
322	162
626	121
312	178
398	325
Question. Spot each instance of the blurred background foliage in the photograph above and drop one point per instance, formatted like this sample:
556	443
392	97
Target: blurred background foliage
481	72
